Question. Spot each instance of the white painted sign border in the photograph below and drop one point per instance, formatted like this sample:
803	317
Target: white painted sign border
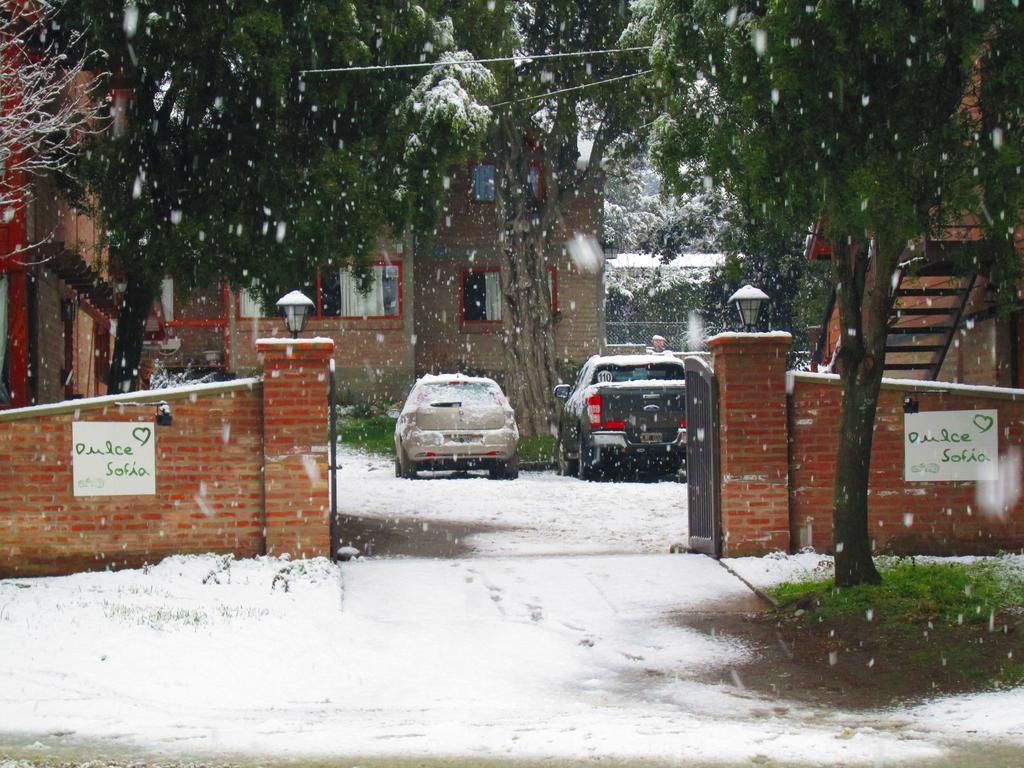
950	445
113	458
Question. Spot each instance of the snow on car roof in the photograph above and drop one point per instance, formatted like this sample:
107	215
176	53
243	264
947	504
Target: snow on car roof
641	384
627	360
454	378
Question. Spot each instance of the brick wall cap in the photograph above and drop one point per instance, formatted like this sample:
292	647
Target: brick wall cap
780	338
153	396
916	385
276	344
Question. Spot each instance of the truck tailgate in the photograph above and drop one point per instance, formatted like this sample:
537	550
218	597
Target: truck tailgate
651	412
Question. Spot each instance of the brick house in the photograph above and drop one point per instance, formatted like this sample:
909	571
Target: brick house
435	305
944	323
56	305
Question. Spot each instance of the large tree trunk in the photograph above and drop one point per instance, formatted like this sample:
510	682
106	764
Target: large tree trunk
863	280
131	329
853	561
527	321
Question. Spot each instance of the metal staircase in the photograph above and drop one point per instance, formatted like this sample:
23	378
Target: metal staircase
927	308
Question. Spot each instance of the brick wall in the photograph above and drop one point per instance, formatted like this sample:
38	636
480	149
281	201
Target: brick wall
445	343
209	487
241	469
467	223
751	371
467	237
933	517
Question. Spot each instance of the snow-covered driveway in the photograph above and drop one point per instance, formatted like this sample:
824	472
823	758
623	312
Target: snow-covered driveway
553	657
539	513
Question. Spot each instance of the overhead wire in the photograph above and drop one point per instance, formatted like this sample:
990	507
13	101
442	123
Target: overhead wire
497	59
572	88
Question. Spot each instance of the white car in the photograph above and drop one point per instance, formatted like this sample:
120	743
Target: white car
453	421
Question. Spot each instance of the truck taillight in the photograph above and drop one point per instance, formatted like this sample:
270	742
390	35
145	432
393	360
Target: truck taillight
594	409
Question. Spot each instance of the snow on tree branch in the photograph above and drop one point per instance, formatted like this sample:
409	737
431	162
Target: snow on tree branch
47	103
449	97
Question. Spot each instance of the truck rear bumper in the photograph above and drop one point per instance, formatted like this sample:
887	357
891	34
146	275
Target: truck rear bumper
619	440
614	449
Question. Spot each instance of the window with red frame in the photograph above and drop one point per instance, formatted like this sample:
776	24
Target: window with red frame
481	294
341	297
336	294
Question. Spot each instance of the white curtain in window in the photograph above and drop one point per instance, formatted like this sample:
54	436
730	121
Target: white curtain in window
249	303
492	285
167	298
4	395
355	304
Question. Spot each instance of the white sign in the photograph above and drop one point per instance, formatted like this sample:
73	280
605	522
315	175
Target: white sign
950	445
113	458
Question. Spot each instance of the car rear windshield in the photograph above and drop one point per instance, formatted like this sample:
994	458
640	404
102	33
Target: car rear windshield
458	394
656	371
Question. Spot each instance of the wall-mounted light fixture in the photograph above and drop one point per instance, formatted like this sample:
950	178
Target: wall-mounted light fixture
164	417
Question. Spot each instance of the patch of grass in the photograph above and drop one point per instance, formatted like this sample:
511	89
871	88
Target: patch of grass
537	448
157	617
374	434
913	592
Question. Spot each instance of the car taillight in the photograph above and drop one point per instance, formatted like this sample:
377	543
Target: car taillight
594	409
615	425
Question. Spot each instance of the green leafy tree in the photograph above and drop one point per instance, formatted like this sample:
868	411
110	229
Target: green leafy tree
885	121
232	163
543	108
639	217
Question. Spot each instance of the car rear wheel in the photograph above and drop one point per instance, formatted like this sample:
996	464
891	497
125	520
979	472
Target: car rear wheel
508	470
404	466
585	469
566	466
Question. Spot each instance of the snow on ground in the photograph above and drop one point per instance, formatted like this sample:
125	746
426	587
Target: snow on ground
776	568
523	657
550	514
514	652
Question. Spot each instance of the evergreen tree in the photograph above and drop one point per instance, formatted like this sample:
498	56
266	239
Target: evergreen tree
884	121
640	217
232	163
548	105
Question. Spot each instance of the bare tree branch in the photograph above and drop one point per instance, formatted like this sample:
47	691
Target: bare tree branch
48	103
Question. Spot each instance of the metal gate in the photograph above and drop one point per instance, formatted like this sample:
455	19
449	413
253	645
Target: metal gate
702	469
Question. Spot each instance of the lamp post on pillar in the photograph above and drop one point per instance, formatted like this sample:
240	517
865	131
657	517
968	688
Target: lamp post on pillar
748	301
295	308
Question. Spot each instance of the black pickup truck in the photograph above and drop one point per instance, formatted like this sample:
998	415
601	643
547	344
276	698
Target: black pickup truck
624	411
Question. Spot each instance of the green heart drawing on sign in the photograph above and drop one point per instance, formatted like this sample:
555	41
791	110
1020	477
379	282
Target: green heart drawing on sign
982	422
912	437
142	434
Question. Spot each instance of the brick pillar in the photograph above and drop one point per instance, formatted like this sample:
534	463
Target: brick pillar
295	476
751	371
